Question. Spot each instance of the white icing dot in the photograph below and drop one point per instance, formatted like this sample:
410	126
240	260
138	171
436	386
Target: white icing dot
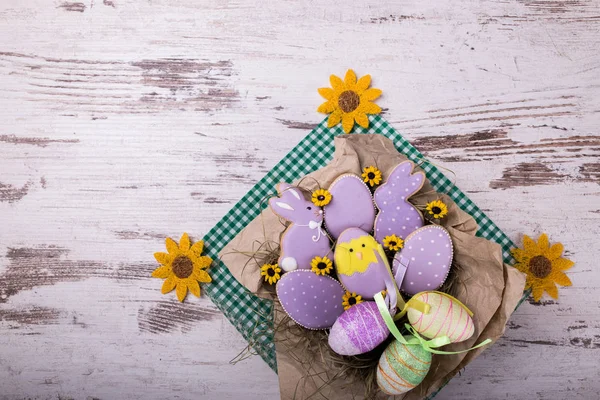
433	241
444	266
413	184
410	247
440	235
284	292
389	229
385	202
389	192
412	283
429	263
315	307
315	297
436	275
420	273
311	286
412	258
325	301
420	238
297	310
408	218
447	245
393	184
294	299
403	226
416	226
422	249
303	292
406	190
301	283
438	254
393	219
304	303
428	284
293	289
403	197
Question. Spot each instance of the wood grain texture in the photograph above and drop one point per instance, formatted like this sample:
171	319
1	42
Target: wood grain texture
122	122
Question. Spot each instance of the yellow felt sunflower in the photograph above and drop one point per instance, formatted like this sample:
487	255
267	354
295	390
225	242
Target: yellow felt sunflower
393	242
544	266
351	299
349	101
182	267
371	175
271	272
437	209
321	197
321	265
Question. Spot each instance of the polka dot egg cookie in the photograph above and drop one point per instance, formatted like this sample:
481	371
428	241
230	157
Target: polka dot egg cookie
312	301
425	260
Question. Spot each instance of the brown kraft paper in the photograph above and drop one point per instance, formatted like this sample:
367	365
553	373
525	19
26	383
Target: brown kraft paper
486	285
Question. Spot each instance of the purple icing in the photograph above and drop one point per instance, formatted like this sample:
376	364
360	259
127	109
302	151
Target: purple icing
351	206
305	238
370	282
358	330
311	300
397	216
424	261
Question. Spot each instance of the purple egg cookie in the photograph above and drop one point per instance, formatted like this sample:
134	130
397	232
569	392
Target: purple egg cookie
359	265
358	330
396	215
312	301
351	206
424	262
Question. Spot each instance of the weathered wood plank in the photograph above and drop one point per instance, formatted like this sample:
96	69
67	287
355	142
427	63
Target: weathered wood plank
122	122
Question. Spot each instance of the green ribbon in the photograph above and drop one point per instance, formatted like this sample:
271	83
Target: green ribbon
416	339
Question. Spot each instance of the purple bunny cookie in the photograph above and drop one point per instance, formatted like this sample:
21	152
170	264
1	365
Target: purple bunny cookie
304	239
396	215
351	206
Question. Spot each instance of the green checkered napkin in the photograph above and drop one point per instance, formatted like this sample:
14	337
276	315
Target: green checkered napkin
250	314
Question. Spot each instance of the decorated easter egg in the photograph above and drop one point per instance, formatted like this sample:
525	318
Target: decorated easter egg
424	261
359	264
396	215
358	330
402	367
446	317
351	206
312	301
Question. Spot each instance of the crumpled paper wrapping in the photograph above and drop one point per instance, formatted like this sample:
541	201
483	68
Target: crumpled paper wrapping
486	285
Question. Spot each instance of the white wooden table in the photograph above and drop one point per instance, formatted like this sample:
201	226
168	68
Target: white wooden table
125	121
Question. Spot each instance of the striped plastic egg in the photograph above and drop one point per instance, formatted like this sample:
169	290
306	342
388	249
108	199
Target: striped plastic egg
358	330
446	317
402	367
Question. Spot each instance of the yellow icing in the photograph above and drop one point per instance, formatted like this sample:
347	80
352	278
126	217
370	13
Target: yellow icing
349	262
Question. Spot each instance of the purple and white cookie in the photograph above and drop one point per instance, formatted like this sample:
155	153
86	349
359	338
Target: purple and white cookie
305	238
424	262
351	206
396	215
312	301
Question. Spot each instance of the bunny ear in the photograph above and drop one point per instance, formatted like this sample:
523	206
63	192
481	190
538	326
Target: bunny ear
290	193
281	208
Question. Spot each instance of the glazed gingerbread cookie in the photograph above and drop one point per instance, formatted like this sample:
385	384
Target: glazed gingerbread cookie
305	238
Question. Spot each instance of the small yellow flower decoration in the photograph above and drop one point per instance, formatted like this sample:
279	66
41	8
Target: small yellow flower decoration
371	175
321	197
321	265
393	242
544	266
182	267
349	101
271	272
437	209
351	299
